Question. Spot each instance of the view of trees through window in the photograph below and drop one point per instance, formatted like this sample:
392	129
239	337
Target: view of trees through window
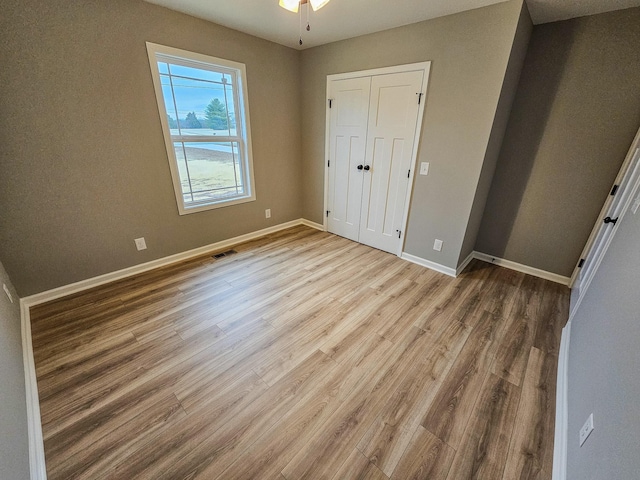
203	106
200	106
215	118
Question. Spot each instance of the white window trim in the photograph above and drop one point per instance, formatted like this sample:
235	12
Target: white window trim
242	124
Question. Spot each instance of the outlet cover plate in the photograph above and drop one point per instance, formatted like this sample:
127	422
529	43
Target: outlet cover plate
140	243
586	429
437	245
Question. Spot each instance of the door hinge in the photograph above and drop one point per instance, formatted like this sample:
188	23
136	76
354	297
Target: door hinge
409	173
419	97
581	263
328	163
328	211
614	190
330	102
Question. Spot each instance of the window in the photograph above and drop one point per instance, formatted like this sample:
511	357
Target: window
204	113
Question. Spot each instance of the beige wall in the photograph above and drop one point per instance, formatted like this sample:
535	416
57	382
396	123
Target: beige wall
469	54
14	446
576	112
83	165
509	88
84	169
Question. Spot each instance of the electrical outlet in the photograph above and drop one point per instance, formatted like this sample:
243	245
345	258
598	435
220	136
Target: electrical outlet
6	290
437	245
586	429
267	213
140	243
424	168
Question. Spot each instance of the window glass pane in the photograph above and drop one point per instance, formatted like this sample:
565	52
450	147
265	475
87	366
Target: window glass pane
227	79
201	107
183	171
237	159
169	105
209	171
216	113
230	108
196	73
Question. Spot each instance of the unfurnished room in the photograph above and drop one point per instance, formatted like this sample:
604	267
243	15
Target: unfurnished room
319	239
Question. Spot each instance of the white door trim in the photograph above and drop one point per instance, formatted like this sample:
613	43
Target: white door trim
632	190
421	66
561	434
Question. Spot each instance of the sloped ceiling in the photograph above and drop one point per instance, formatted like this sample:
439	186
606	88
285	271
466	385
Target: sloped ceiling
341	19
338	20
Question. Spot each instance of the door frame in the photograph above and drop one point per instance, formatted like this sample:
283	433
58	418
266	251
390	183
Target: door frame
425	67
627	168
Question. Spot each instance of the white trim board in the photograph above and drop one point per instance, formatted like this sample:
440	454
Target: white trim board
518	267
76	287
309	223
562	408
37	467
429	264
37	464
36	443
536	272
464	263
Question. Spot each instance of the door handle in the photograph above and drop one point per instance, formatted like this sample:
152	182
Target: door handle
367	167
359	167
611	220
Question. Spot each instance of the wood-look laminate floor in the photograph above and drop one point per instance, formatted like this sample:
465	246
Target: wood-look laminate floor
304	355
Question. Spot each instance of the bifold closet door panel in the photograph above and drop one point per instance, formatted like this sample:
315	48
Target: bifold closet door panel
347	143
391	130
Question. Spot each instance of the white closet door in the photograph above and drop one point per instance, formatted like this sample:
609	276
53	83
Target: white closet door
348	133
602	234
393	115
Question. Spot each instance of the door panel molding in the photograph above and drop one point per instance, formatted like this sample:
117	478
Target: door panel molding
393	117
347	148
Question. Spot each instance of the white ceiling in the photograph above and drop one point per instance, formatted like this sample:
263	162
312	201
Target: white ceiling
342	19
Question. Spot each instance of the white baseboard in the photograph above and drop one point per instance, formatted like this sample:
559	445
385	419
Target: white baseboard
36	443
486	258
309	223
37	466
464	264
429	264
76	287
536	272
562	413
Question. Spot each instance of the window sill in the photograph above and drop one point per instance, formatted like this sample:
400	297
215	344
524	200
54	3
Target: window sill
213	205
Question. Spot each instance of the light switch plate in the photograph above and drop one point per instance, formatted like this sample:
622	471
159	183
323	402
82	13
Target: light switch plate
424	168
